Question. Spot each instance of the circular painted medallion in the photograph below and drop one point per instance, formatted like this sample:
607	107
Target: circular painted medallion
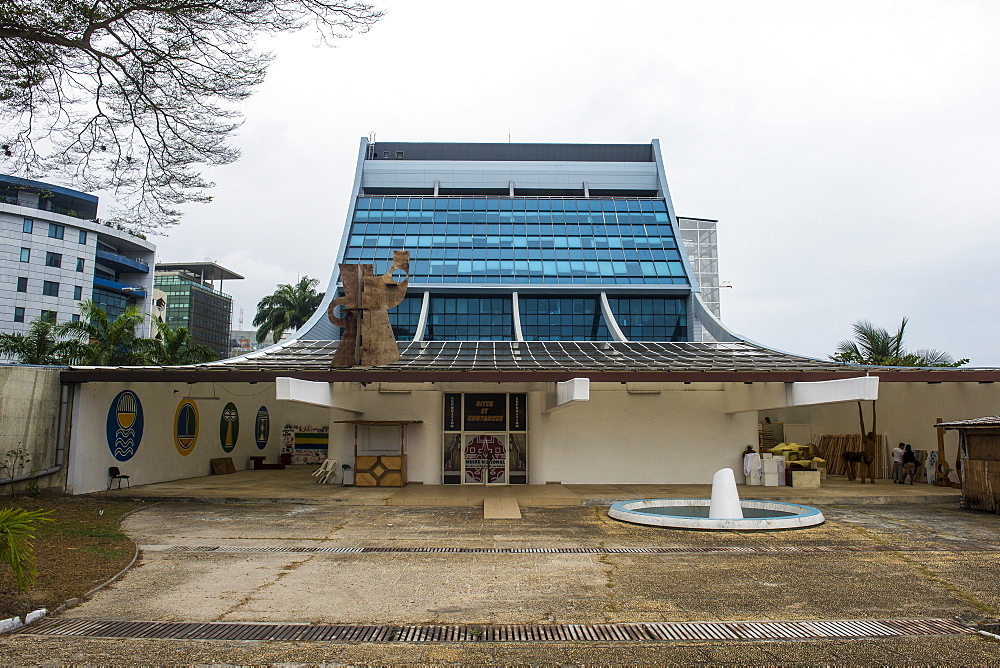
124	425
262	428
186	426
229	427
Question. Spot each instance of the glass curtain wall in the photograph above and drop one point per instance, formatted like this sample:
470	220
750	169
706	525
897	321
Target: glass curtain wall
519	240
523	242
650	318
562	319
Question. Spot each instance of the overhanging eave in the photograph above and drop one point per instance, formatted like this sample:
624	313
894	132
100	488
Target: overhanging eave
219	375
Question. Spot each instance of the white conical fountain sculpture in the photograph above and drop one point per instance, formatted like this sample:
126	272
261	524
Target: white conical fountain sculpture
725	511
725	499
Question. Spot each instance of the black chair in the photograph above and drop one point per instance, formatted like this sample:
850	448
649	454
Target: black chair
115	473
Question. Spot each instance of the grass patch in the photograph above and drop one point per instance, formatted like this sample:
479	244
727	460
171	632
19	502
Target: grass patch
79	550
107	553
89	531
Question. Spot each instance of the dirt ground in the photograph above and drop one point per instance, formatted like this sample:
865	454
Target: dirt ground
78	550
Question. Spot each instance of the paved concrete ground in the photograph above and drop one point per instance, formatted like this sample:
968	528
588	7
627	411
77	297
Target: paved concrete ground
295	484
887	561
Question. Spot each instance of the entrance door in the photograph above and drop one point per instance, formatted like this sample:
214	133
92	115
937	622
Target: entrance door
484	459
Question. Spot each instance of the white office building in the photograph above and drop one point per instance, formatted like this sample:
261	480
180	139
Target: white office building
55	253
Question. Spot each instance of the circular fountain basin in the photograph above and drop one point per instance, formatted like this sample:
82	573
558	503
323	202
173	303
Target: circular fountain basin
693	514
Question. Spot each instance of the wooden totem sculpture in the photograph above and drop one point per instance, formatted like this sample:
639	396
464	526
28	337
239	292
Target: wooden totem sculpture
368	339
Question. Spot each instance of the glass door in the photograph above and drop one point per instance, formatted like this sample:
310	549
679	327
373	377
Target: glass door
484	459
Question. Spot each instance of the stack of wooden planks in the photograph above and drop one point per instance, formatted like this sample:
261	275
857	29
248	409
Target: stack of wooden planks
832	447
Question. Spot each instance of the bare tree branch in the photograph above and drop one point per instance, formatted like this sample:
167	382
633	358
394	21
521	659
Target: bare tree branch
138	96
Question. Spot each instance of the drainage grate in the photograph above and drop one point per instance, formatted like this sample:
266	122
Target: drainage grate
638	632
717	549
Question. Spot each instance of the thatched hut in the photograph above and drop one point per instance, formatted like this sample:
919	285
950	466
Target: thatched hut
979	454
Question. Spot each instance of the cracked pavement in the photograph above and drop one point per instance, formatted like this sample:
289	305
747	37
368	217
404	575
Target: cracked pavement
883	562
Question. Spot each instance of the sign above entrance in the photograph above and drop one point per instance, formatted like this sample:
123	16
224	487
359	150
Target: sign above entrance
485	412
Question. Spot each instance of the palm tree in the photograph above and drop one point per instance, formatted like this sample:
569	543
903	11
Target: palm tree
288	308
173	347
875	346
39	345
17	530
106	342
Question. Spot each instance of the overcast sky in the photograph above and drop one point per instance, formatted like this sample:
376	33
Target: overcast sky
849	151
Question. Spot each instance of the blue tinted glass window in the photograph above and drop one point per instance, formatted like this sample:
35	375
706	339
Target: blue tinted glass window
404	317
113	303
56	231
28	226
562	318
470	319
651	318
18	314
550	229
25	254
83	237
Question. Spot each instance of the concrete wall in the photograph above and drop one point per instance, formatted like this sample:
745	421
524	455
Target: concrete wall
906	412
498	174
682	434
157	459
29	419
423	441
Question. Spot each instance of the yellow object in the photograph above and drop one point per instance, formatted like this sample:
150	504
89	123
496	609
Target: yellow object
792	452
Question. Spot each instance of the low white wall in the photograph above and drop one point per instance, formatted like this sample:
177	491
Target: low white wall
682	435
157	459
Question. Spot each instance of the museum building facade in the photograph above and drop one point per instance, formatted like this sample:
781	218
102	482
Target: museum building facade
560	324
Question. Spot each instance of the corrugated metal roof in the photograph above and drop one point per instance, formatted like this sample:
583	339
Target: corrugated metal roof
531	361
545	356
973	423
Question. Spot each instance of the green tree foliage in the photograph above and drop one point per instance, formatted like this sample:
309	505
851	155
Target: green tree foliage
172	347
41	344
98	340
17	530
287	308
105	342
136	96
876	346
